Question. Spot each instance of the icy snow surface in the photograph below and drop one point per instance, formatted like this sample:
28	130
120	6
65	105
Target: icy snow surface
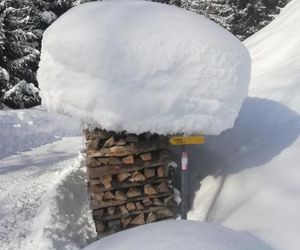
143	66
21	130
255	179
178	235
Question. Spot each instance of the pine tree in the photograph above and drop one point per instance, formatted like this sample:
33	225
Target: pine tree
241	17
20	47
22	23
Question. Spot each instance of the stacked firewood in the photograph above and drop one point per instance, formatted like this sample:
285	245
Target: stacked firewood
129	179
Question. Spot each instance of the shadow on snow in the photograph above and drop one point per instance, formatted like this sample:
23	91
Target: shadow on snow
262	131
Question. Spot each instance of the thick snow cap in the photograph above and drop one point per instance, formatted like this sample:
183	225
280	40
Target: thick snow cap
178	235
142	66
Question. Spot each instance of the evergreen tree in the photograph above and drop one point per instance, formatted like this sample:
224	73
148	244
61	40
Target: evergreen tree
22	23
241	17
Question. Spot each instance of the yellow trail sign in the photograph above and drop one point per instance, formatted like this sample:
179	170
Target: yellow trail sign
186	140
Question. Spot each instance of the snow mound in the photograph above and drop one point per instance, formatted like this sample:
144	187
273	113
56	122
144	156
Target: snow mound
142	66
177	235
256	185
275	51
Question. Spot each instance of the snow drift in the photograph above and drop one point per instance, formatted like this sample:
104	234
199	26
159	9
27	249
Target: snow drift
276	56
177	235
143	66
255	185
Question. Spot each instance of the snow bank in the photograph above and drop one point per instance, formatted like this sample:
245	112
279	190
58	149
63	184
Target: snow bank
255	187
276	56
143	66
178	235
43	199
21	130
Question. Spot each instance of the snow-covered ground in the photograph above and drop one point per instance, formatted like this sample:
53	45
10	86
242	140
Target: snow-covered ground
44	204
178	235
255	181
21	130
254	178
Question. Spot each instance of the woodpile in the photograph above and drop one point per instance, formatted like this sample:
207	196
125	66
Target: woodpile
129	179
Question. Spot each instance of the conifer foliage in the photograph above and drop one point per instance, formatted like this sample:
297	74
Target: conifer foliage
22	23
241	17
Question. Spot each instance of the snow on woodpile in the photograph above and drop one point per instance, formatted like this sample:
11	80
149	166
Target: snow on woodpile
178	235
142	66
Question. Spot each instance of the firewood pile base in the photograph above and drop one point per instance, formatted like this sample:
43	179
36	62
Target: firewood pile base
129	180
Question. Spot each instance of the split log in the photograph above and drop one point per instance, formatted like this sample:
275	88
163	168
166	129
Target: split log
114	161
128	159
157	202
111	210
94	182
100	161
146	156
147	202
108	196
100	227
115	185
162	187
125	222
139	206
93	162
149	189
130	206
106	180
138	220
121	142
97	196
151	218
119	195
98	172
165	213
102	204
94	143
122	177
95	189
119	151
110	142
123	210
133	192
149	173
137	176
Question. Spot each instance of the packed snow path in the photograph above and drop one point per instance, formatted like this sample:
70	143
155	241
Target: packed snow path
37	199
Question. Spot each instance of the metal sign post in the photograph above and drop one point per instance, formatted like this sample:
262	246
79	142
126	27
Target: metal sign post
184	182
183	141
